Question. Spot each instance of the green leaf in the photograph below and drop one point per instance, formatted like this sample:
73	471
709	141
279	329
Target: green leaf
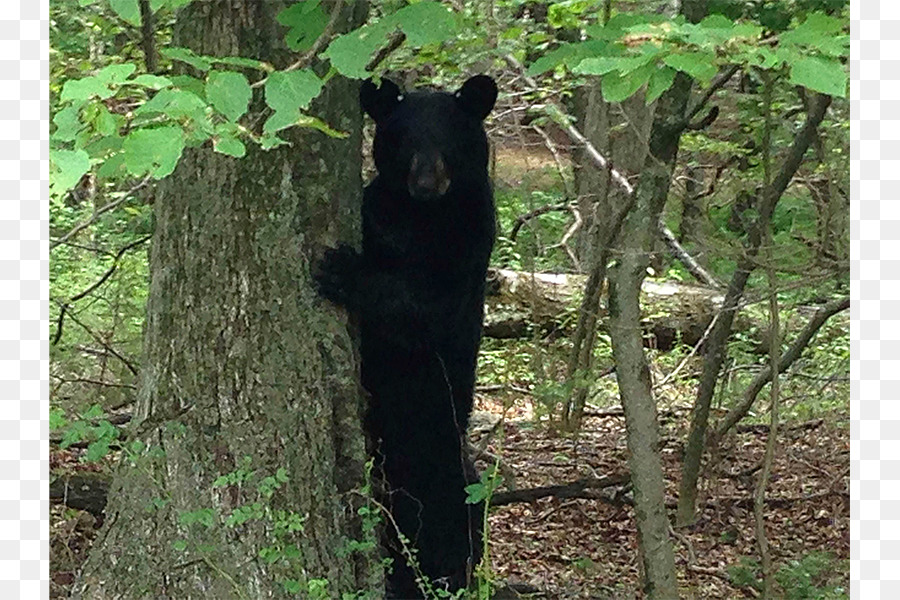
113	167
229	93
476	492
292	586
550	60
186	55
716	22
699	65
350	53
97	450
569	54
292	90
57	419
821	75
106	124
616	87
179	545
280	119
128	10
76	432
306	21
230	146
661	80
79	90
154	82
155	151
601	65
190	84
94	412
818	31
763	58
67	167
68	124
174	103
116	73
426	22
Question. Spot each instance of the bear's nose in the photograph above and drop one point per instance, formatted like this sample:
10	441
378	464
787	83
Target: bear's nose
428	176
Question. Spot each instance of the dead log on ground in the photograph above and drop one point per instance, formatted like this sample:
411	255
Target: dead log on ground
519	301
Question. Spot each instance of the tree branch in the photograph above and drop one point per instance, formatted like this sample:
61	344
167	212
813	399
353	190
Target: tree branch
686	259
103	209
522	219
64	306
714	87
787	359
99	340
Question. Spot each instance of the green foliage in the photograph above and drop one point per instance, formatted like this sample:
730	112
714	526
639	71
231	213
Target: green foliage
128	10
423	23
306	21
484	489
229	93
633	50
813	577
89	427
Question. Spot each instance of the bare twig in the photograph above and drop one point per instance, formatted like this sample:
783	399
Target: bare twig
64	306
559	116
695	268
714	87
522	219
787	359
103	209
101	341
693	351
551	146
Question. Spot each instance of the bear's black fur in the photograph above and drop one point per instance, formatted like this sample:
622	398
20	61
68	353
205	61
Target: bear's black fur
418	288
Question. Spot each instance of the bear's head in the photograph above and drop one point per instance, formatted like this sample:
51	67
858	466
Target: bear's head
427	143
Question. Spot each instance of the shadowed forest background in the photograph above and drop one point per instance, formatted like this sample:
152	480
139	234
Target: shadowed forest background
671	182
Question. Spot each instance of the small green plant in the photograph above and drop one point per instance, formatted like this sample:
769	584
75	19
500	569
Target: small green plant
91	427
812	577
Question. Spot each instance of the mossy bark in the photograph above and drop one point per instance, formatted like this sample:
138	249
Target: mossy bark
244	365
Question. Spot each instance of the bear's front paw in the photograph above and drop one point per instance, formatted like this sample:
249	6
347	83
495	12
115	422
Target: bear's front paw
336	274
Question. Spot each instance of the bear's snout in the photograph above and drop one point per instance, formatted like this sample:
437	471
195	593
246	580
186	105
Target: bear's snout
429	178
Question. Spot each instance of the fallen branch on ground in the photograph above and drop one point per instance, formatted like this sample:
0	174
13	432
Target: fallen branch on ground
576	489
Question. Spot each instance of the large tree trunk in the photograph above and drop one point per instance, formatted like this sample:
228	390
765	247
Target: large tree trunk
245	369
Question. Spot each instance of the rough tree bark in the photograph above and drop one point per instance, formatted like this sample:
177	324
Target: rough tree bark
244	366
718	339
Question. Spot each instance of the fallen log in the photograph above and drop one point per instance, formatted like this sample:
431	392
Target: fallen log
84	491
517	302
576	489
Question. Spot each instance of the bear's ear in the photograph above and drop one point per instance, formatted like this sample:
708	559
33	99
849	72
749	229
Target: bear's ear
379	102
477	96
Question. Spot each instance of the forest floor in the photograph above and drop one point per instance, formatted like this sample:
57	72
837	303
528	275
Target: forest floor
587	548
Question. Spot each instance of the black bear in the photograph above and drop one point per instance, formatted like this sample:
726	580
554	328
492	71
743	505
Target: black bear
418	289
